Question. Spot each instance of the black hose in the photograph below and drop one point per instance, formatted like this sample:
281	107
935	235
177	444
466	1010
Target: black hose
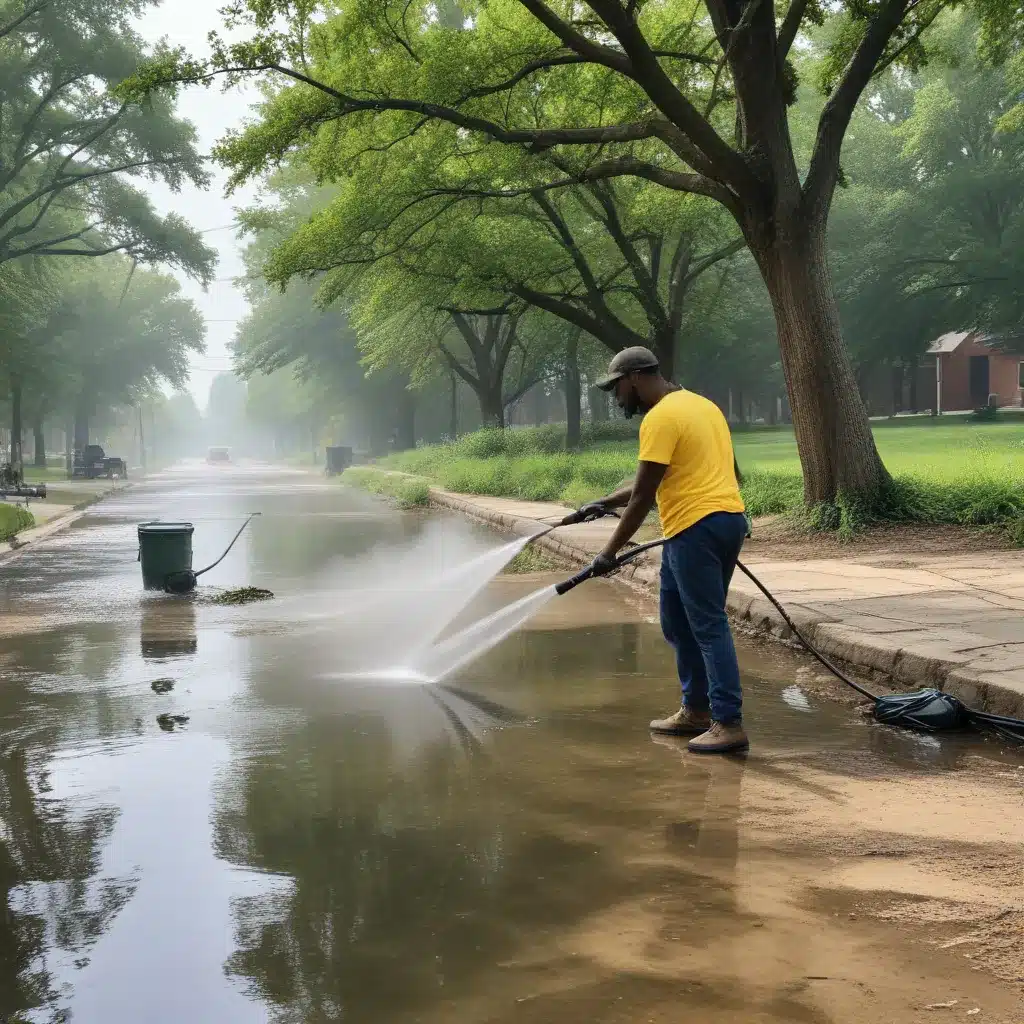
928	709
588	572
808	646
184	582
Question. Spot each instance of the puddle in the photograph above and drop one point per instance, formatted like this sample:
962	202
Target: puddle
254	842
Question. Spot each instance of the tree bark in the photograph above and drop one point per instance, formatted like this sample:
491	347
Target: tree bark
833	433
16	426
598	406
571	386
492	408
663	344
39	443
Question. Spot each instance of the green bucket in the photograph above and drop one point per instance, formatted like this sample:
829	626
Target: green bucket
164	549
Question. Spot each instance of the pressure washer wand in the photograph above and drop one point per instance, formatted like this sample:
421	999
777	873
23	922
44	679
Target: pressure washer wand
585	574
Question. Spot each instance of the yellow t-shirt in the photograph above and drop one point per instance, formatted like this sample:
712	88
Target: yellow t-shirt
689	434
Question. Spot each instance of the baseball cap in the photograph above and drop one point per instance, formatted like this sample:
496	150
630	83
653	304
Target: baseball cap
627	361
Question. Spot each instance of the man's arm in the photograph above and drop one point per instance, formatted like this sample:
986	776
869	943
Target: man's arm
641	500
619	498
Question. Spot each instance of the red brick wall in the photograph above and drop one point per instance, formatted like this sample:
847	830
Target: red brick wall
1004	373
956	376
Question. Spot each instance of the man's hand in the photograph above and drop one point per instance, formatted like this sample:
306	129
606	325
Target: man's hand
592	510
605	563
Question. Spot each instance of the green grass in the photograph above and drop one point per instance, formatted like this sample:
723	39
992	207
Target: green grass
949	470
533	558
405	491
14	519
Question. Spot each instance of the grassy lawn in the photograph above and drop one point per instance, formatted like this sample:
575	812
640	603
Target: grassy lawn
945	449
949	470
38	475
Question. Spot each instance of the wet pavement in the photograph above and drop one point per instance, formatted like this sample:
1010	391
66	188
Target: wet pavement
197	823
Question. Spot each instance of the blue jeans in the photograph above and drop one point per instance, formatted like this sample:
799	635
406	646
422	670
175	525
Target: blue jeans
696	568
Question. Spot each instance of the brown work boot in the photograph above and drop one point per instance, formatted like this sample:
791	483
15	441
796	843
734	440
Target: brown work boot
683	723
720	739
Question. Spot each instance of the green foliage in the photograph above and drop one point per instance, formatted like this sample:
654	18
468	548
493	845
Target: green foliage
406	491
914	262
533	558
14	519
985	414
947	473
70	152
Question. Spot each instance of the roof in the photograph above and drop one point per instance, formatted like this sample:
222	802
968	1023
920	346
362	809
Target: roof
948	342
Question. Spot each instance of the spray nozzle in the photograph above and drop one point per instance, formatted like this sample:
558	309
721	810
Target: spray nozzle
587	514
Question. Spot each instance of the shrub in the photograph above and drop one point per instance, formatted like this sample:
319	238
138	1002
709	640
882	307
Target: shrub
405	491
14	519
985	414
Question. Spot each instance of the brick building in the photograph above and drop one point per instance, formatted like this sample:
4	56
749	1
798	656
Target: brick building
967	372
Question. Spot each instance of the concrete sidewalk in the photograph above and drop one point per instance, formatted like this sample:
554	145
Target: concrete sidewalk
66	501
955	622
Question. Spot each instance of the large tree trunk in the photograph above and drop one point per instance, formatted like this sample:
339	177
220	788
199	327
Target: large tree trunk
571	386
16	426
833	433
663	345
39	443
492	406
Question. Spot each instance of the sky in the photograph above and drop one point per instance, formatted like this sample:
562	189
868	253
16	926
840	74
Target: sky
187	23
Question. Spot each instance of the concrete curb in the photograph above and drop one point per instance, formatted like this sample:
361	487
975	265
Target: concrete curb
880	657
34	536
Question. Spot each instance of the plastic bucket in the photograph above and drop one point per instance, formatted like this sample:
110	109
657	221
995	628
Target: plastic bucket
164	549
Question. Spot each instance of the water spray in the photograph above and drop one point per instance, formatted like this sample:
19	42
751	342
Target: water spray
927	710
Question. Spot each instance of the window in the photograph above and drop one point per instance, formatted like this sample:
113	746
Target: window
1020	374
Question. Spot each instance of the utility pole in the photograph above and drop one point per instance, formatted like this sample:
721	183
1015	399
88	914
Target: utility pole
142	441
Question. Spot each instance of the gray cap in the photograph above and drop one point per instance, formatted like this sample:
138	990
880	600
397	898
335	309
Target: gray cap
627	361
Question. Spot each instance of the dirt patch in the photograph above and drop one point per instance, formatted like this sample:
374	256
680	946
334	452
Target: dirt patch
894	546
940	860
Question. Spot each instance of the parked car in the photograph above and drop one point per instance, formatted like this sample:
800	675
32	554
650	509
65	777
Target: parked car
92	462
218	455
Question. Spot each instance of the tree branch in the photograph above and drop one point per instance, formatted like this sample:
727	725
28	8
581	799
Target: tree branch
643	68
564	60
6	30
707	262
575	40
824	167
789	28
538	139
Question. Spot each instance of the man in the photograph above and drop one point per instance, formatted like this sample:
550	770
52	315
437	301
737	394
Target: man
687	466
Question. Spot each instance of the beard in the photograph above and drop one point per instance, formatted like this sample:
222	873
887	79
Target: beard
631	405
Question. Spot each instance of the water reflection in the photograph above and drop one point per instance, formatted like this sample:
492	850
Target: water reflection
168	628
57	907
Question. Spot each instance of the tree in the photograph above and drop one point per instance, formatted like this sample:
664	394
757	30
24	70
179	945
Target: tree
122	341
29	298
711	84
911	263
69	149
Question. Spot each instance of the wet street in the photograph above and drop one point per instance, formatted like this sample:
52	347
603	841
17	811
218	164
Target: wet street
205	815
